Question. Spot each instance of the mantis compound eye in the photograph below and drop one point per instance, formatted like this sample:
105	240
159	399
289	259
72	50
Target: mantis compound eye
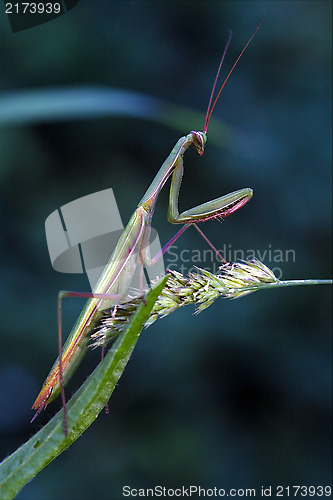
199	141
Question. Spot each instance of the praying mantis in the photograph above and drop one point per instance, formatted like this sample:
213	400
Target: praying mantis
132	250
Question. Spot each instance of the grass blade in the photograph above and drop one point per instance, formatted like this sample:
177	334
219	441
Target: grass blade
83	408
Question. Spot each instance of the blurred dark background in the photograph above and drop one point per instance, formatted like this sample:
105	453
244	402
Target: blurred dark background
239	396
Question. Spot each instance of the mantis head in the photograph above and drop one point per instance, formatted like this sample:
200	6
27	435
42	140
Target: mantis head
199	141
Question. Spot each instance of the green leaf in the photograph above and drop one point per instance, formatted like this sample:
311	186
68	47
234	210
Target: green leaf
83	408
26	107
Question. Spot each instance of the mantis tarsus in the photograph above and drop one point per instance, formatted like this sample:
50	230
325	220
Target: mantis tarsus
133	249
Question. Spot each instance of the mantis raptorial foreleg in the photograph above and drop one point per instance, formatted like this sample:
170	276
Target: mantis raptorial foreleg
133	249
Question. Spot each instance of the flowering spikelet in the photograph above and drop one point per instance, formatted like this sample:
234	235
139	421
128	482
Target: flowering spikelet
201	288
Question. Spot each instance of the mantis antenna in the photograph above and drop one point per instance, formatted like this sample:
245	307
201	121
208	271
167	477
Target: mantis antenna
211	106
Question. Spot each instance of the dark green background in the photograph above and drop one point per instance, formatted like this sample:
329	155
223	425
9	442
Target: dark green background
239	396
